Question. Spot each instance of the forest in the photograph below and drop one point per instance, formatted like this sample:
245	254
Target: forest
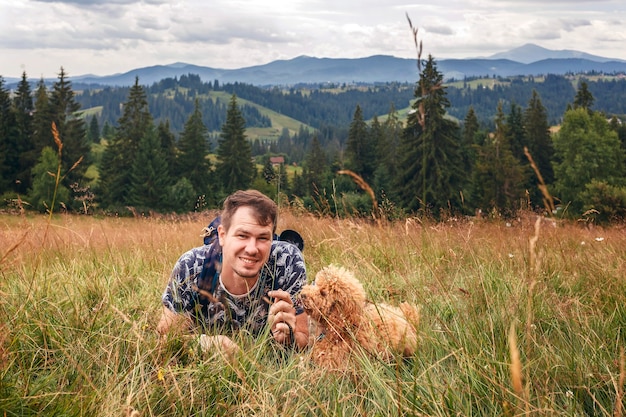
492	147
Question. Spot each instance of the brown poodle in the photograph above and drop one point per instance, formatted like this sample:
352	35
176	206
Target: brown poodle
337	306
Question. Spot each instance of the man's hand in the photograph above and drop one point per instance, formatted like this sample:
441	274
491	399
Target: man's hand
285	326
219	344
171	321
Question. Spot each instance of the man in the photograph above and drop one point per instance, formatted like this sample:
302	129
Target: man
248	282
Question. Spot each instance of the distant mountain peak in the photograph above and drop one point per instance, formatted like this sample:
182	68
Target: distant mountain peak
529	53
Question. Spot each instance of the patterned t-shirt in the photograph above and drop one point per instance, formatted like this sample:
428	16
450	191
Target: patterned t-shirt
222	312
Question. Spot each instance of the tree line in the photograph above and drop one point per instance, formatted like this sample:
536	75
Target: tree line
429	163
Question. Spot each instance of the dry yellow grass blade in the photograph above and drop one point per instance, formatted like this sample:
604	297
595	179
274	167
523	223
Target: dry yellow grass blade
364	186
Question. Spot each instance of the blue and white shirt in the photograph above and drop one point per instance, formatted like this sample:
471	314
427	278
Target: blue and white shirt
225	312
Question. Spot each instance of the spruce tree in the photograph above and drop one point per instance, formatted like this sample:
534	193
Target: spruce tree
121	151
23	108
65	113
192	161
470	139
316	168
429	170
387	152
583	99
42	120
235	168
539	145
149	175
9	156
93	134
360	149
167	142
498	174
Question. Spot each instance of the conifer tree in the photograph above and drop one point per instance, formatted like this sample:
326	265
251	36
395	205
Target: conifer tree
516	133
316	168
65	113
235	168
8	142
360	149
470	139
167	142
120	153
498	174
192	162
429	173
23	108
44	184
149	175
93	133
42	120
387	152
583	99
539	145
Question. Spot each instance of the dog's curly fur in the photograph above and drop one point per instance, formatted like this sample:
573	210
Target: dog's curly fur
337	305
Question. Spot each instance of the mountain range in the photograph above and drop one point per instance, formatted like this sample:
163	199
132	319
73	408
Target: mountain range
528	59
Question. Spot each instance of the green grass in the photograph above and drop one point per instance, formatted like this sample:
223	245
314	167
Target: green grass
80	297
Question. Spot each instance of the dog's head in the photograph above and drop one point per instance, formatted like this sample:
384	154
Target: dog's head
335	299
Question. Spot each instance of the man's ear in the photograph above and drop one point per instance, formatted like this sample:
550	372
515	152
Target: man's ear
221	233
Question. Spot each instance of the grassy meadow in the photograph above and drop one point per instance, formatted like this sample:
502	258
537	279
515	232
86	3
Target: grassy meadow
519	318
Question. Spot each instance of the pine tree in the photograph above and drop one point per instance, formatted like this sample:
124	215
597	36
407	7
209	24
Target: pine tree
167	142
429	171
539	145
316	168
387	152
9	156
71	126
44	184
360	149
42	120
498	174
192	161
120	153
470	139
93	134
584	99
23	108
516	133
235	168
149	175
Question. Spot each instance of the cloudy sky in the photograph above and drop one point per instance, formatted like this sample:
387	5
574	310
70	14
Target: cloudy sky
104	37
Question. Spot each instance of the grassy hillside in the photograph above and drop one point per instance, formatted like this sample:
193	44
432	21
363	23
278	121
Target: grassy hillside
517	319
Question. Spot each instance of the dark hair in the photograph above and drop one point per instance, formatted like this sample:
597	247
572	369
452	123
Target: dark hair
264	207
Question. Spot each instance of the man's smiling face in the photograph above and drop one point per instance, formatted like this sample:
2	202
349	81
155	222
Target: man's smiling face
245	246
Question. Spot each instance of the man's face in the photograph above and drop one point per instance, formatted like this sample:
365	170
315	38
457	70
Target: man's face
246	246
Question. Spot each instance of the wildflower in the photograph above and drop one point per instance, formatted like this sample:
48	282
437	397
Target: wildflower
510	255
582	243
599	239
569	393
161	375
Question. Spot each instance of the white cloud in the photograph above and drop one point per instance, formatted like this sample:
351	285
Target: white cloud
110	36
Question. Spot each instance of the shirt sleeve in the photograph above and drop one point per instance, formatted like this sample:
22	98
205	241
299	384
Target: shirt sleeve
178	294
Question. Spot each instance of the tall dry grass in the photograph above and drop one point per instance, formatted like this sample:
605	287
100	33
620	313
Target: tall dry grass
519	318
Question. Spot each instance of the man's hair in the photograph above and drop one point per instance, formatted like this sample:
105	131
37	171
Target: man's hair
264	208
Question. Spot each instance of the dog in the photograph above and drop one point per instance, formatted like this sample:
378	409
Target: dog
337	305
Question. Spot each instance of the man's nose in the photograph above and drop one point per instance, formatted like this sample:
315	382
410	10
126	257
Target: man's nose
251	246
